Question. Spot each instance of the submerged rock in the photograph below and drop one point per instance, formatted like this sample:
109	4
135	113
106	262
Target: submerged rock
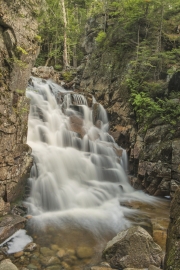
7	265
133	248
84	252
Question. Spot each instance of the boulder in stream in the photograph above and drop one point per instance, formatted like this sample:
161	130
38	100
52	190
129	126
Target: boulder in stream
133	248
7	265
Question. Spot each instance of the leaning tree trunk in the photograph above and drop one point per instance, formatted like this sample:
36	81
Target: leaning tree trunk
65	52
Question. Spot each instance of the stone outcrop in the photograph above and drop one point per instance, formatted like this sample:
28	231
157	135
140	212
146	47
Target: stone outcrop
18	51
132	248
153	150
172	259
9	225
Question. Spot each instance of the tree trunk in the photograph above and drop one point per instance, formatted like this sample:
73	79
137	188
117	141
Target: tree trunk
65	52
74	57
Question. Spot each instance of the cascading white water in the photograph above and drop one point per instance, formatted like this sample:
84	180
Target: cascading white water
77	177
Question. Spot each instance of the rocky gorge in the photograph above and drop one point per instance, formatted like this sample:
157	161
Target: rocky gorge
153	152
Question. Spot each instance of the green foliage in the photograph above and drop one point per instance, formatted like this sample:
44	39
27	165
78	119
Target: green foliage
38	38
21	50
67	76
58	67
100	37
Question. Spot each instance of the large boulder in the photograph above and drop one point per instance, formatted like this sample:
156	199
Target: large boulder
133	248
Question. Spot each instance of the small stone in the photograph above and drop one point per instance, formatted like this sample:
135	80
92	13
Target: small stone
101	268
135	269
66	266
30	247
61	253
32	267
105	264
55	247
70	252
84	252
54	267
49	260
18	254
46	251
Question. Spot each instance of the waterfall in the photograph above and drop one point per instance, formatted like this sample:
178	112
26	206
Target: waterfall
78	176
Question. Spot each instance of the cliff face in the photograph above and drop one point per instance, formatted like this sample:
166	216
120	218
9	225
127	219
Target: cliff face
18	51
172	259
153	150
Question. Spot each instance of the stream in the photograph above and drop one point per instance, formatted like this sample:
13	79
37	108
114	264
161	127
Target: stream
80	194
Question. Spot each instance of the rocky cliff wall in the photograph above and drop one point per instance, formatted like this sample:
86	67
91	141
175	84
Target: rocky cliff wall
18	51
153	151
172	259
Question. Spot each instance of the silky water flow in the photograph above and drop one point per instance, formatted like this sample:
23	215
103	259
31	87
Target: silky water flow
78	177
79	189
80	197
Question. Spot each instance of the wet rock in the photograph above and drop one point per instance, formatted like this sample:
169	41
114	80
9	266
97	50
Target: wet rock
133	248
65	266
55	267
30	247
61	253
136	269
32	267
46	251
55	247
9	225
7	265
18	254
35	258
76	125
160	237
49	260
101	268
70	252
84	252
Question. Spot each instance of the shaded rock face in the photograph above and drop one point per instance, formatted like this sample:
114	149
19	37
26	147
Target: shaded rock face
153	152
174	83
172	259
132	248
18	51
